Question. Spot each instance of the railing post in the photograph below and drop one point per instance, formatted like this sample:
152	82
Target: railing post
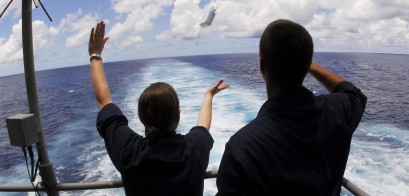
46	167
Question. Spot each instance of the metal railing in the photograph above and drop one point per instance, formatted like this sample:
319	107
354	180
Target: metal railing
351	187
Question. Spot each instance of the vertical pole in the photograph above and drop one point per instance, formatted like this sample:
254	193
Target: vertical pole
46	167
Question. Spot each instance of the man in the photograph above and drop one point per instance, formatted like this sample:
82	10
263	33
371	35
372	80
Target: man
299	143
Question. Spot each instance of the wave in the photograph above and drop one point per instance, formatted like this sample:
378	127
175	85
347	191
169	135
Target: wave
378	160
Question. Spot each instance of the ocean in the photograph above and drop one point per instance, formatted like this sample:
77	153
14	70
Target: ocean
379	158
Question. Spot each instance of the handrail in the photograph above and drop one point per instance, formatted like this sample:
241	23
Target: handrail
351	187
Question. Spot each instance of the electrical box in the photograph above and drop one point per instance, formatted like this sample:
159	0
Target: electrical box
22	130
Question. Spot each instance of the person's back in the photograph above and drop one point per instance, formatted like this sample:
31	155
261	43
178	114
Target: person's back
170	164
167	166
299	143
297	147
163	162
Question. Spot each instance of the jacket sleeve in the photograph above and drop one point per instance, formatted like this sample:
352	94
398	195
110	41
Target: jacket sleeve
353	102
113	127
203	142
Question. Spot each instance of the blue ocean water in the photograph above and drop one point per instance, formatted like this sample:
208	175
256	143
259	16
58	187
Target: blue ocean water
379	157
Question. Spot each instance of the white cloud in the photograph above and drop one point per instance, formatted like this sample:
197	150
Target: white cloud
129	41
80	25
184	20
364	10
11	52
43	36
139	16
364	25
348	25
235	18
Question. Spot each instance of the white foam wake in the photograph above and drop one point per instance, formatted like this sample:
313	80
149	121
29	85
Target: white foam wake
378	161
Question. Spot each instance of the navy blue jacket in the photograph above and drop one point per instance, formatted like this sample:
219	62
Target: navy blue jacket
173	164
297	145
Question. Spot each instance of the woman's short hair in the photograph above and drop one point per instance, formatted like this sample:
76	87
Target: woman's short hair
158	109
286	50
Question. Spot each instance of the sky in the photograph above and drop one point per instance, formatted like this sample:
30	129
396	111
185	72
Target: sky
140	29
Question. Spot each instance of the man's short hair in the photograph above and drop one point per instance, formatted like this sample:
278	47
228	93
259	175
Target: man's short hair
286	50
158	109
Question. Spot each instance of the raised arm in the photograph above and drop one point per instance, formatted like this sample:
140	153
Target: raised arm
96	44
328	79
205	115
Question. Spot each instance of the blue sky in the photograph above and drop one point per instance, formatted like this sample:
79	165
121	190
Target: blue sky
161	28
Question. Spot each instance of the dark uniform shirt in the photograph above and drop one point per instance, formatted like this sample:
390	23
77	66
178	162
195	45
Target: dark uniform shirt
297	145
170	165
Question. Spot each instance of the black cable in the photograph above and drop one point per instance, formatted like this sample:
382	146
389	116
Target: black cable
37	188
5	8
42	6
36	169
28	171
30	152
25	157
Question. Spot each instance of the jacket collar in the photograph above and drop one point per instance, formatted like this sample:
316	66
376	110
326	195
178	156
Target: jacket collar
286	101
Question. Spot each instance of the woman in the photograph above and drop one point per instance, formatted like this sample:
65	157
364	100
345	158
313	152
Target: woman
164	162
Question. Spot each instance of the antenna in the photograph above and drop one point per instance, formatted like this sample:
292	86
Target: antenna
42	6
6	8
36	5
